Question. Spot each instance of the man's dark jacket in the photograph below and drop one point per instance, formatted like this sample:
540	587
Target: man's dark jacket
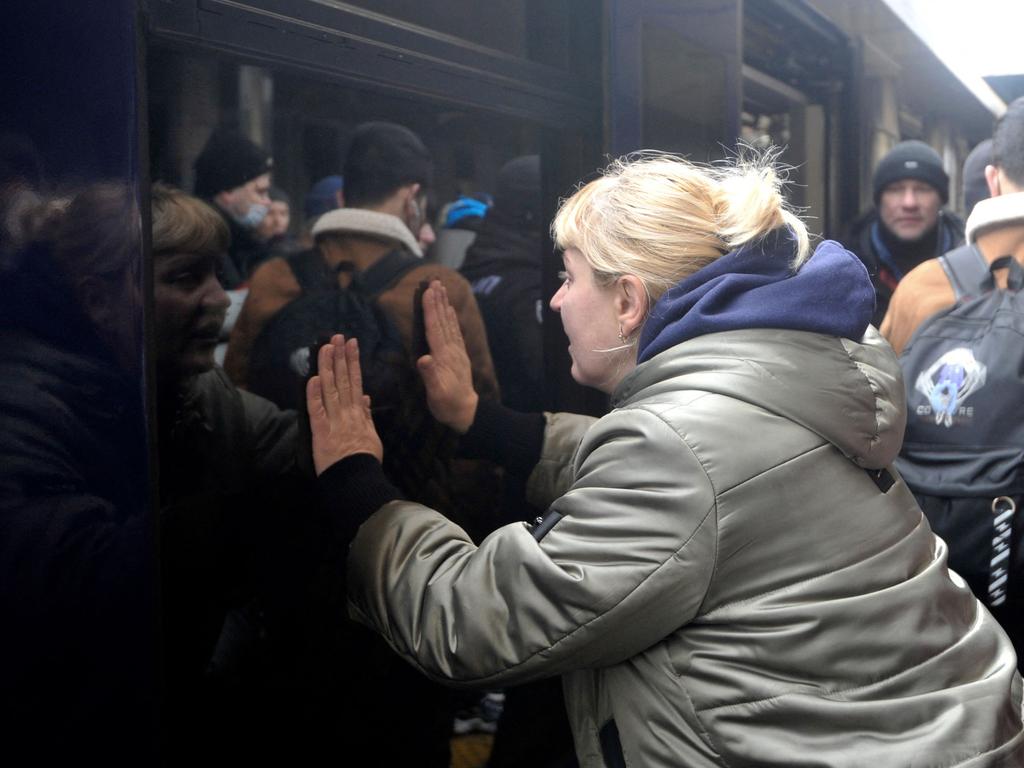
77	566
888	260
503	265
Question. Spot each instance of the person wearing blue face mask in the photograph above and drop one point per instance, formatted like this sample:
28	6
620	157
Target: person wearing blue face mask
233	175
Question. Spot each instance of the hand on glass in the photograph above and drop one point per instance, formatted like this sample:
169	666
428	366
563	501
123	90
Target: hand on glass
339	412
446	370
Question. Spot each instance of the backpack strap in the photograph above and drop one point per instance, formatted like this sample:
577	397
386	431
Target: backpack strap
1015	278
966	269
310	271
385	273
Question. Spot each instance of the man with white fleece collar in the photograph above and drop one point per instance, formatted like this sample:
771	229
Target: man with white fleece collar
996	227
387	171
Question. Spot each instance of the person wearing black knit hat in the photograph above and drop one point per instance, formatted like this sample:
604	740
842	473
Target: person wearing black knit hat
908	224
233	174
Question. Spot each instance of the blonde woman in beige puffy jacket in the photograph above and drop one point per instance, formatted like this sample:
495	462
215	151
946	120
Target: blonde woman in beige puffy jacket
729	571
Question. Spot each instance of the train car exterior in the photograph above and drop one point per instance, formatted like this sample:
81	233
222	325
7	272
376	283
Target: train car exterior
107	98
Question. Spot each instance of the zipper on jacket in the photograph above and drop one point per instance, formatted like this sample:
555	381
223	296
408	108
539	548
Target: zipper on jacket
541	525
882	478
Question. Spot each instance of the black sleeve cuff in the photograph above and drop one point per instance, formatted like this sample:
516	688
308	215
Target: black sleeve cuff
353	489
512	439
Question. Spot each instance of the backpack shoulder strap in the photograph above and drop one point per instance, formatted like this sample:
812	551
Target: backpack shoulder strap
1015	278
966	269
386	272
310	271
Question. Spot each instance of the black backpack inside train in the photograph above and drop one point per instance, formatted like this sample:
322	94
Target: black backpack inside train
416	448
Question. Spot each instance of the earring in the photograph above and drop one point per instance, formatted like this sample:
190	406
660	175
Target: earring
622	339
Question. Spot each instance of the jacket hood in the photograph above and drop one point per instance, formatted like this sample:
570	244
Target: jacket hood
755	287
1000	211
849	392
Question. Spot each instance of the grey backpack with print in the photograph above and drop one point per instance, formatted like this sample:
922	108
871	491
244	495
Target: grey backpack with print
963	452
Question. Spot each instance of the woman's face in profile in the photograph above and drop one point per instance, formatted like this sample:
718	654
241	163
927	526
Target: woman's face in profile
189	305
590	321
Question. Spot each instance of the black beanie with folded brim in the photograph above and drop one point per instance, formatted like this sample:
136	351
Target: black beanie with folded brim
229	160
911	160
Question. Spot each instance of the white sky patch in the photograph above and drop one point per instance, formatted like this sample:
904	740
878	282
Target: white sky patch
976	37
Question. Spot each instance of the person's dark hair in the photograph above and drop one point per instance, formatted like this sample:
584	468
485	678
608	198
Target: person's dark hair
975	186
96	232
518	195
1008	142
278	195
381	158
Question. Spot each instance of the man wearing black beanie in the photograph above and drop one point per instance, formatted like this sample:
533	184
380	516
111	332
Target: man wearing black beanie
233	175
908	224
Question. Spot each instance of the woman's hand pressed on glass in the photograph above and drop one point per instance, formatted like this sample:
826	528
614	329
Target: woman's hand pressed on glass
339	412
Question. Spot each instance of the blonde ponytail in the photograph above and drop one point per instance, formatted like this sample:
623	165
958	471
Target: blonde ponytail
750	202
662	218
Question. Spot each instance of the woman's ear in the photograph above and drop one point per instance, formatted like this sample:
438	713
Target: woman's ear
631	304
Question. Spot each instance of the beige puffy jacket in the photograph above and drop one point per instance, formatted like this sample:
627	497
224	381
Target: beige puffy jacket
729	585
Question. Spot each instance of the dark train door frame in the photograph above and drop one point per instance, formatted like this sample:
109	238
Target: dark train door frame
793	52
675	73
75	103
681	75
360	48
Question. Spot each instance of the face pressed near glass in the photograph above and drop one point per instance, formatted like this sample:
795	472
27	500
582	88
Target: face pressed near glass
189	305
276	221
590	320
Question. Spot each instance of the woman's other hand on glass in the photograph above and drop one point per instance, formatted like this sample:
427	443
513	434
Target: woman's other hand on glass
446	370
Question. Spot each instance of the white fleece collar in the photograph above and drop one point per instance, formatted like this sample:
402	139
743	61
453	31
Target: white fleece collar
995	212
363	222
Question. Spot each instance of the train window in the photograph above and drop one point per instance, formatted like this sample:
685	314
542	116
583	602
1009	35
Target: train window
306	124
544	31
501	26
682	113
242	458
